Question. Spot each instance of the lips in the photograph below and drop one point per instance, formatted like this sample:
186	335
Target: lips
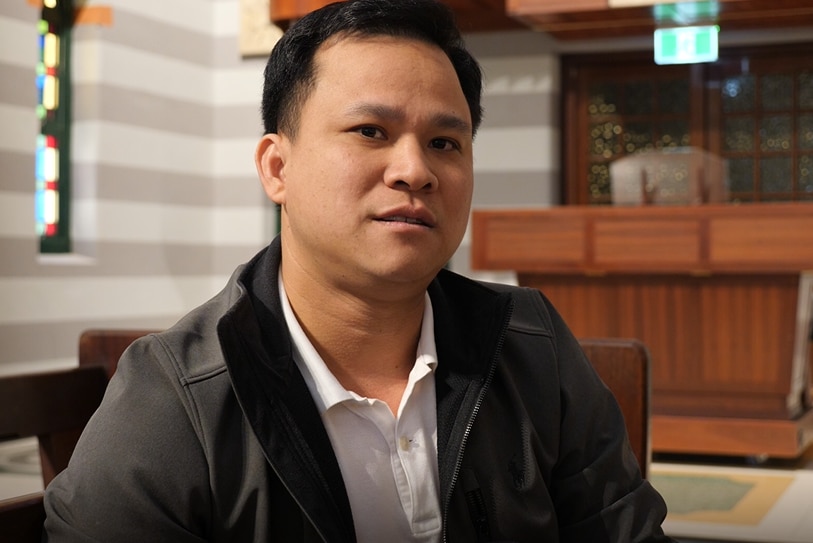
419	216
408	220
408	214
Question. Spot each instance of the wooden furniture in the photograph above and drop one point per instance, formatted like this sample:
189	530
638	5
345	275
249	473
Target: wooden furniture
718	293
54	407
21	519
623	365
104	347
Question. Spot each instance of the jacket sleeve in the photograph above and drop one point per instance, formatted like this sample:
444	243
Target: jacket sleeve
597	487
138	472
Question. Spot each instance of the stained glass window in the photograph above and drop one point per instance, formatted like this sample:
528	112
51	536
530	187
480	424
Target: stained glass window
766	132
632	113
749	116
52	164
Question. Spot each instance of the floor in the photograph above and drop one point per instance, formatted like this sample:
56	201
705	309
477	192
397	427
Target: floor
791	519
19	474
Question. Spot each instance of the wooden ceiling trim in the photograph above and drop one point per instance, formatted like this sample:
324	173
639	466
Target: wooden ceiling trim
581	23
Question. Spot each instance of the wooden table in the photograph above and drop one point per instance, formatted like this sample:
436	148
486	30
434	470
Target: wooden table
721	294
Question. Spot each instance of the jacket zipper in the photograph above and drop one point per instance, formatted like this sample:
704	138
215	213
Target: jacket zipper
489	377
479	514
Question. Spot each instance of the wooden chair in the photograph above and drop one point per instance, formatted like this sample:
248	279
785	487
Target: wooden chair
21	519
55	407
623	365
104	347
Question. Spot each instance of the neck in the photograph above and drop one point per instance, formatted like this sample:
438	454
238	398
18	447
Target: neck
369	344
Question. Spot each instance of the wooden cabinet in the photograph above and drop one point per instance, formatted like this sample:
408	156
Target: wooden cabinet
693	240
722	295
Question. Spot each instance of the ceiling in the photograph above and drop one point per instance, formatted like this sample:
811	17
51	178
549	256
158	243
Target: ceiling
584	23
571	20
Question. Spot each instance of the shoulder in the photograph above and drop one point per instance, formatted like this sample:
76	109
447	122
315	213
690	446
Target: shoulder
530	310
190	349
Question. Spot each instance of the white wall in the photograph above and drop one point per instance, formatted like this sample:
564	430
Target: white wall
166	198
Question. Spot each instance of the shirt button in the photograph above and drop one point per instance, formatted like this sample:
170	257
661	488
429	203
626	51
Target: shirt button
404	442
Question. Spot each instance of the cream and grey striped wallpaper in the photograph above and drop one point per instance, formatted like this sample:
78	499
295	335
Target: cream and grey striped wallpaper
516	151
166	200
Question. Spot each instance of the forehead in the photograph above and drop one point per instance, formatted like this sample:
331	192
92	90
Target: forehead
353	40
395	71
367	55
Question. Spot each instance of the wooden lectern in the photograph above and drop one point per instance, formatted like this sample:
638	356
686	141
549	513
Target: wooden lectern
722	295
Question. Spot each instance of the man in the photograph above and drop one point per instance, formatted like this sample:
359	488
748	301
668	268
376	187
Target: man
343	387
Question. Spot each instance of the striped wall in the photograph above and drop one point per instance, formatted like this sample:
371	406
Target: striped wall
516	151
165	193
166	198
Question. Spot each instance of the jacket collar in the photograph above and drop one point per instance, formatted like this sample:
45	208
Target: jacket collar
470	320
276	401
470	323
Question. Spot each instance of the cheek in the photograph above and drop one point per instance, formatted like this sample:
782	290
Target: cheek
460	193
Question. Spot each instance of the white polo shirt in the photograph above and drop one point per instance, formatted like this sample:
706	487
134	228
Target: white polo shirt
389	463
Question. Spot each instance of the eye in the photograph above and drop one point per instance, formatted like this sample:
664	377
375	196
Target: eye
444	144
370	132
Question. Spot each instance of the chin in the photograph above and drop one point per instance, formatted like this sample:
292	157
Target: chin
410	274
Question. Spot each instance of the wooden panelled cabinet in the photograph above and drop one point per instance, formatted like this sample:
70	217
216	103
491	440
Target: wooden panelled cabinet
721	294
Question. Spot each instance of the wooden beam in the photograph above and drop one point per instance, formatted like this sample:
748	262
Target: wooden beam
85	15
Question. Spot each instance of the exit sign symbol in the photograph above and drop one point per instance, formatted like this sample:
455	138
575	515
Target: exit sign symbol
686	45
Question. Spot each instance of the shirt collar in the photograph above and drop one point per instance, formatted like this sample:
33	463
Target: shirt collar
322	384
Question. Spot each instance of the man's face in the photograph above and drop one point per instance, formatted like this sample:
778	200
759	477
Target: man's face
376	185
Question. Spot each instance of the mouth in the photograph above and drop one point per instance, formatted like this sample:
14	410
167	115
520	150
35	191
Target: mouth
411	215
408	220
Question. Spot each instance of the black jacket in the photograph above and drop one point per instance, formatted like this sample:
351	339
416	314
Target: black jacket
208	432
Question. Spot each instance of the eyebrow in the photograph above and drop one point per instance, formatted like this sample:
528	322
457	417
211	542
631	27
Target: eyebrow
441	120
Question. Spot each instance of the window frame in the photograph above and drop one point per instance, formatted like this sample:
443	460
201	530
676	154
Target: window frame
579	70
59	126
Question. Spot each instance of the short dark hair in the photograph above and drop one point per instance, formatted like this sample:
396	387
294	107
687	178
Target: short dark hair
289	73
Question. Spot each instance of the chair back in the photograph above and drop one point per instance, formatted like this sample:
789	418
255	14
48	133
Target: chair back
103	347
623	365
53	406
21	519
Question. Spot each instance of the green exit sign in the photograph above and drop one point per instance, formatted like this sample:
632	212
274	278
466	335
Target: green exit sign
686	44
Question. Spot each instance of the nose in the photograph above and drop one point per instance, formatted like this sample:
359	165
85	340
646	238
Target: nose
409	168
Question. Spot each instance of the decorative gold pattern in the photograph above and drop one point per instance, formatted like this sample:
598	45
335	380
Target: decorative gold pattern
257	34
630	117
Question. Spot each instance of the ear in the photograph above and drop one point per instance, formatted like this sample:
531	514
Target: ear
269	158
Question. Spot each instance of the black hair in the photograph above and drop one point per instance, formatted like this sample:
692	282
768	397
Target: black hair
289	74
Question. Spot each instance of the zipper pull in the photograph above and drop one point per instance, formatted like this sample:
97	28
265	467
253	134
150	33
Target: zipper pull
477	506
